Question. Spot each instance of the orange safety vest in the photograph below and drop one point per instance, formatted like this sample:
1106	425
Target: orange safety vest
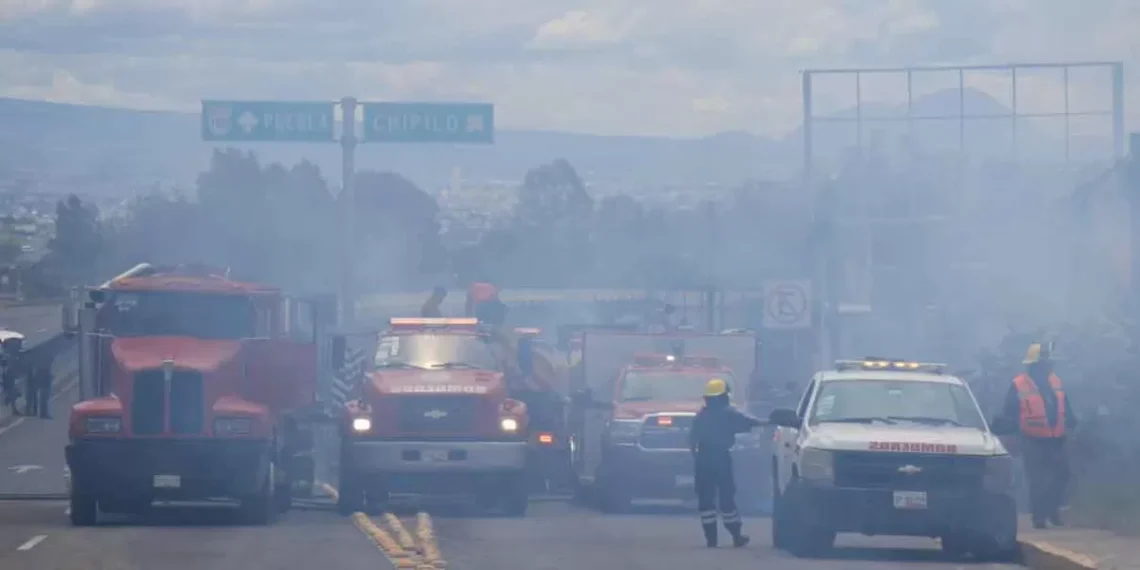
1034	418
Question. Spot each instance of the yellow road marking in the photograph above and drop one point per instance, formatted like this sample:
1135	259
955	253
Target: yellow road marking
419	552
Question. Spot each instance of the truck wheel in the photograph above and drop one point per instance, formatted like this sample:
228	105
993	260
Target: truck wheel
779	514
516	499
83	506
803	538
350	494
614	498
261	508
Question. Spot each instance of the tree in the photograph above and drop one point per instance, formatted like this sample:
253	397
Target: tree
78	240
552	222
397	230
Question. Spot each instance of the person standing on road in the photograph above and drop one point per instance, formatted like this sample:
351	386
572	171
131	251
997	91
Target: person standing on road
711	440
1044	414
40	378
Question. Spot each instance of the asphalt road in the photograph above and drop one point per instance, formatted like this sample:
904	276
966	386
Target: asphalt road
36	322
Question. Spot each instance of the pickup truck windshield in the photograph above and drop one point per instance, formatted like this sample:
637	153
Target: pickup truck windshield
165	313
667	385
895	402
433	351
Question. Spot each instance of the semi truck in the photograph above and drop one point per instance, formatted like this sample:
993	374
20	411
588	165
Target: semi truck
193	386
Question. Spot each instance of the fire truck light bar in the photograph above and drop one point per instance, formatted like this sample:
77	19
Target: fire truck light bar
431	322
528	331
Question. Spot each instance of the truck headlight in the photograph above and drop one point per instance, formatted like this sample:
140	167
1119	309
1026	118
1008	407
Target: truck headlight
509	425
104	425
817	465
233	426
624	432
999	473
361	425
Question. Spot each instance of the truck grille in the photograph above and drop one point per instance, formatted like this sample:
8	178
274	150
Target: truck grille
436	414
674	436
147	406
889	471
149	403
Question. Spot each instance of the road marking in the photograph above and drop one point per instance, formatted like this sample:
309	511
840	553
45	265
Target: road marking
404	550
65	389
22	469
32	542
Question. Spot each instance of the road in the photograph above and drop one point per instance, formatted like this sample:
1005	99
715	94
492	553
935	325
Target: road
555	535
36	322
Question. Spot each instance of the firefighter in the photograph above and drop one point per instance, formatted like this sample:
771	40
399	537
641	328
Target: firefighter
710	441
479	293
430	308
40	380
1044	414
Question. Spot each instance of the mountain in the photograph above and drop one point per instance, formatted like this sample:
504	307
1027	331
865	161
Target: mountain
115	151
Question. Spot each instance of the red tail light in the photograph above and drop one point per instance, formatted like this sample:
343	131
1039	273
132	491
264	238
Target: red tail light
546	438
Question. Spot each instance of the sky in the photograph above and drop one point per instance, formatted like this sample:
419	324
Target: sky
622	67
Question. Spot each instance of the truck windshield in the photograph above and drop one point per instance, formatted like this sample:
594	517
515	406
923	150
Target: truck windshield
435	352
892	401
165	313
643	386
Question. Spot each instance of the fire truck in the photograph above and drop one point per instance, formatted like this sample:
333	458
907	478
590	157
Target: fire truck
193	387
634	400
437	414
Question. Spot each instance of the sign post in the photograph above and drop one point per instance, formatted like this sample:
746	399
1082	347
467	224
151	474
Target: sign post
313	121
787	304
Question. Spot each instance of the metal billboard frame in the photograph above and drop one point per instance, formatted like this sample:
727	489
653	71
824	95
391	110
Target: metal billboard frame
810	118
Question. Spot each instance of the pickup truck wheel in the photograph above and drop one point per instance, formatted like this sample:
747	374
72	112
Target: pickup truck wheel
803	538
261	508
83	506
779	513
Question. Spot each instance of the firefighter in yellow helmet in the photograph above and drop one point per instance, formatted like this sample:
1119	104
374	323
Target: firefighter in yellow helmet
1037	404
710	441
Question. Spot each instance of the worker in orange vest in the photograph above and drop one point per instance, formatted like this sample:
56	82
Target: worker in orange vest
483	303
1044	415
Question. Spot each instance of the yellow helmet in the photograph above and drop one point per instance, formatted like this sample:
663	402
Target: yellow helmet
716	387
1037	352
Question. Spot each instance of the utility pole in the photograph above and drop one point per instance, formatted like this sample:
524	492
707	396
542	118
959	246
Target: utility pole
348	212
1131	187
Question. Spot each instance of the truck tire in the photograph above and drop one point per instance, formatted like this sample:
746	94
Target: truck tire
516	498
261	508
614	498
803	538
83	506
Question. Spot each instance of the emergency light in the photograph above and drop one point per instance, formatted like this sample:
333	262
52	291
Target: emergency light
876	363
432	322
651	360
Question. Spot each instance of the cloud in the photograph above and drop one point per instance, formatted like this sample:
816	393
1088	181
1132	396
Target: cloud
677	67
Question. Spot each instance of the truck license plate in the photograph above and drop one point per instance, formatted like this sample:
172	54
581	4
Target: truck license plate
684	480
910	499
167	481
434	455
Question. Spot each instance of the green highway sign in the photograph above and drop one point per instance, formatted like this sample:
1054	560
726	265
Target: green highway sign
462	123
260	121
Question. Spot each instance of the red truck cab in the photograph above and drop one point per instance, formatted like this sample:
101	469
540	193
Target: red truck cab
190	383
645	451
434	417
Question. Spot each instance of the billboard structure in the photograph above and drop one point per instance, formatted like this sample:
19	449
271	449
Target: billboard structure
1016	116
850	258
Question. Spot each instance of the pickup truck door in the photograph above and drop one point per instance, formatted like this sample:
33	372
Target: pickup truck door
788	439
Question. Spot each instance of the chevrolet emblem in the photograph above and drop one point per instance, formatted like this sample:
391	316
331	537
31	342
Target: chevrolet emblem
910	469
435	414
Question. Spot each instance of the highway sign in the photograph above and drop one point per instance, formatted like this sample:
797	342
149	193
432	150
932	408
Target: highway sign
787	304
467	123
264	121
